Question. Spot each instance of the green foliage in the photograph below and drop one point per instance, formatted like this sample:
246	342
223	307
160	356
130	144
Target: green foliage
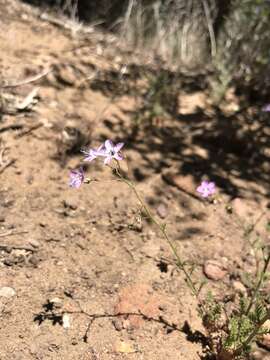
243	48
243	325
212	312
258	313
239	328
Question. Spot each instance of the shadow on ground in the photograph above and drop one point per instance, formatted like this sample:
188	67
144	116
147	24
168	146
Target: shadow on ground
99	11
232	150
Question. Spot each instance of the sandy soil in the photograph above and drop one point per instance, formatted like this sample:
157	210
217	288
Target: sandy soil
85	256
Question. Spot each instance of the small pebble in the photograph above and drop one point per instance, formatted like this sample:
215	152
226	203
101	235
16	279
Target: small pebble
34	243
117	324
239	287
214	270
162	211
66	321
7	292
264	341
56	302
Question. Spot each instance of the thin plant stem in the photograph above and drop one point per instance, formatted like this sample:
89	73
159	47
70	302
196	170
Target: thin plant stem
255	292
179	262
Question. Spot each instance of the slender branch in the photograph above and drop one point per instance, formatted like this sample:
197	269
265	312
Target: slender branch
266	263
28	80
179	262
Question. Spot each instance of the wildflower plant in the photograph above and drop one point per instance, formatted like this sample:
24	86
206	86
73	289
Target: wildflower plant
206	189
230	333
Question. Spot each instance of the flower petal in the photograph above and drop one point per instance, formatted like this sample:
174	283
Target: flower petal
118	156
107	160
204	183
90	154
89	158
118	147
109	145
76	178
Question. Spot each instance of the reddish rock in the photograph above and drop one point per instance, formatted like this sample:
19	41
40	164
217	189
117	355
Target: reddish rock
162	211
214	270
239	287
137	299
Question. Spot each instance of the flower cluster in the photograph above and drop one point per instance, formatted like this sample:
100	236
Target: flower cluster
206	189
108	151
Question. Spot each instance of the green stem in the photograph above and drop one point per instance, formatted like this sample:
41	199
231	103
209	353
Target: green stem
161	227
266	263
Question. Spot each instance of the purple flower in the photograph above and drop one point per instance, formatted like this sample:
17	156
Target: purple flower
93	153
266	108
76	178
111	151
206	189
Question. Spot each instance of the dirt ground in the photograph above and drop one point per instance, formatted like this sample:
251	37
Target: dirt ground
77	259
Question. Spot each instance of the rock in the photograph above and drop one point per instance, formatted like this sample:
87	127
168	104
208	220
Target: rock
260	355
214	270
66	321
56	303
124	347
264	341
239	287
7	292
2	307
117	323
70	204
67	75
34	243
34	260
136	299
162	211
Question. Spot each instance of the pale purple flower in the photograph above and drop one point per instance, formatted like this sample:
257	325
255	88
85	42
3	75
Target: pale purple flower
266	108
111	151
206	189
93	153
76	178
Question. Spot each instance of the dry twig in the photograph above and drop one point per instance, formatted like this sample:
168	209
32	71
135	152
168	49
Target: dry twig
9	247
28	80
6	165
9	233
28	100
29	130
